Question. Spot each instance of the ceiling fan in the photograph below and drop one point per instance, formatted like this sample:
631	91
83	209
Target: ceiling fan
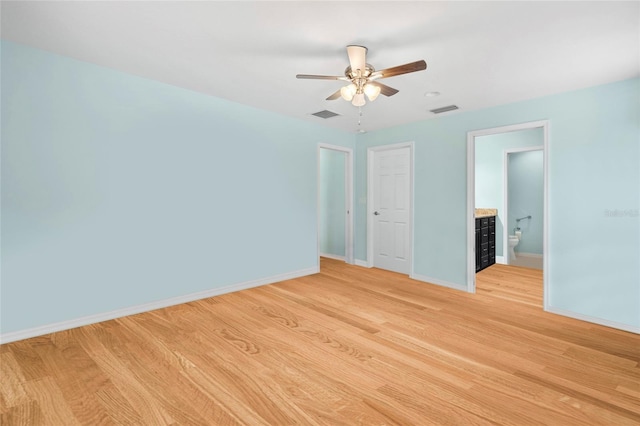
363	77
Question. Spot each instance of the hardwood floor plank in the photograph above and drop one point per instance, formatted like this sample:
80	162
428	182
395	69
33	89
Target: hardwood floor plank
346	346
111	358
53	405
12	383
31	364
632	415
28	414
65	351
117	405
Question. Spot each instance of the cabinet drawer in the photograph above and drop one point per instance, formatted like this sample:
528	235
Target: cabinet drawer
484	236
484	262
484	249
484	221
478	225
492	221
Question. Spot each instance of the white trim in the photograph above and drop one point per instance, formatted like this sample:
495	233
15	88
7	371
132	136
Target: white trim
471	212
370	229
332	256
362	263
471	167
509	128
146	307
546	255
500	260
595	320
436	281
505	198
348	192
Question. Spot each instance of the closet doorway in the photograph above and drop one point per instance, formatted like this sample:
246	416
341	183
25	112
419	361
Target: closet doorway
335	202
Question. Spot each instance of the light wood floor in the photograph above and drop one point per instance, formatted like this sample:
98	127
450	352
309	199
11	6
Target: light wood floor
347	346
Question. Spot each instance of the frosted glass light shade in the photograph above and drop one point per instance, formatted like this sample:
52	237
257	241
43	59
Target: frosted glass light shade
358	100
347	92
372	91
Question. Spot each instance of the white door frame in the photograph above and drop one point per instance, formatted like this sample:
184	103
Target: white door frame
471	200
348	192
505	168
370	196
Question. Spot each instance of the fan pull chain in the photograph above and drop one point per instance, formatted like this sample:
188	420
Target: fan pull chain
359	116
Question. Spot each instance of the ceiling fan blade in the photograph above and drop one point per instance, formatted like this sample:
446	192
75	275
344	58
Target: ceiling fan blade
357	57
384	89
335	95
321	77
400	69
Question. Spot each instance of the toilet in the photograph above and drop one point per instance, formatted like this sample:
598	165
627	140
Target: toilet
513	242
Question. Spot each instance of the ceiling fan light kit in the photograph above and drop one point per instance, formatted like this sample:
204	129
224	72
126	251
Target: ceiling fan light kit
371	91
358	100
362	78
348	92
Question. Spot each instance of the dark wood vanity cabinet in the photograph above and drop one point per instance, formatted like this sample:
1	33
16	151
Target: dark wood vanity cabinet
485	242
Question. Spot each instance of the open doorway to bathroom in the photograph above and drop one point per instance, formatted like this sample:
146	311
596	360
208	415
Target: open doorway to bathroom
507	177
524	202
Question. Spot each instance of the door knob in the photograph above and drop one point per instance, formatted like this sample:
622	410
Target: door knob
376	213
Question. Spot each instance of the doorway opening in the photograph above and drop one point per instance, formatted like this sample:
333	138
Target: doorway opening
491	155
335	203
523	206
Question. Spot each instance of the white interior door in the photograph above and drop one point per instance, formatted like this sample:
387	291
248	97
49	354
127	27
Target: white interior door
391	209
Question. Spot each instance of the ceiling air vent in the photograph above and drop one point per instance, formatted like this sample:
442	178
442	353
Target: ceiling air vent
444	109
325	114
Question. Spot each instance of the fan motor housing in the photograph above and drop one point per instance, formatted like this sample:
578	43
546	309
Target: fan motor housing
368	70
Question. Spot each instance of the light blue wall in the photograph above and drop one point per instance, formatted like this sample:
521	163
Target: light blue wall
118	191
526	198
332	202
490	171
594	159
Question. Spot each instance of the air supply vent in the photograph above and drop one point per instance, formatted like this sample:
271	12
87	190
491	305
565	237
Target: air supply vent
444	109
325	114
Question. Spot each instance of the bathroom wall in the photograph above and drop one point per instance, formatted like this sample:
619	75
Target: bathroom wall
332	202
525	186
490	172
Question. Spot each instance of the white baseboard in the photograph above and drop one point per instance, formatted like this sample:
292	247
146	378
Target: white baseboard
436	281
501	260
362	263
595	320
132	310
333	256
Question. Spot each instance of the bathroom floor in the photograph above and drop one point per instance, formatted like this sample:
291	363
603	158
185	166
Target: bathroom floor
527	262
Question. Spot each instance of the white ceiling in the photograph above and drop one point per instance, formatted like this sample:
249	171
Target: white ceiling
479	54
